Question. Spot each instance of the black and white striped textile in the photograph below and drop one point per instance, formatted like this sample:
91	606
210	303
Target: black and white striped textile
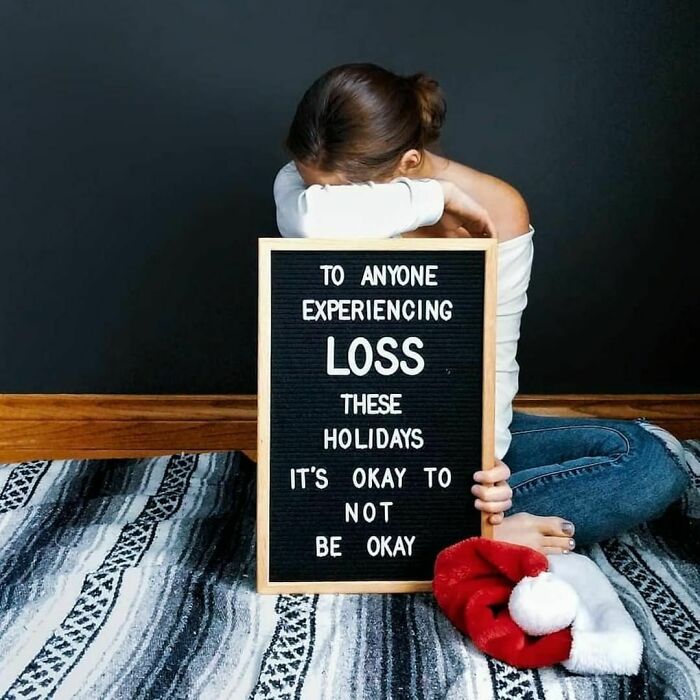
135	579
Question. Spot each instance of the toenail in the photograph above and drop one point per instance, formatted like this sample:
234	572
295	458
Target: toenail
567	528
572	543
564	551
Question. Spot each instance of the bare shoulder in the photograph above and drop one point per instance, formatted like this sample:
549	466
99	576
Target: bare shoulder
504	202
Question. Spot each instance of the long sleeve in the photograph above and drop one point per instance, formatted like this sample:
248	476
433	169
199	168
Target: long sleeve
359	210
514	268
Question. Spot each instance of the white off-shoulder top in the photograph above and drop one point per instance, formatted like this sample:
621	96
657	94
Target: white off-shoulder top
384	210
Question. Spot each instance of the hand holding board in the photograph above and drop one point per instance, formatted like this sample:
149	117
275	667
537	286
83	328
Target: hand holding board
375	408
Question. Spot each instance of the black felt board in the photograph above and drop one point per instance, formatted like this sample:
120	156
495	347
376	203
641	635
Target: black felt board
444	401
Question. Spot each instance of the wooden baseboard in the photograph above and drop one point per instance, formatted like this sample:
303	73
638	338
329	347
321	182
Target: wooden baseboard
61	426
678	413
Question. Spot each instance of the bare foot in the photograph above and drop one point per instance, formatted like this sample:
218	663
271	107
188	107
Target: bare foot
547	535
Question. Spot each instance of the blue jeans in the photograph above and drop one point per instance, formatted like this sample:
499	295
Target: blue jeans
605	476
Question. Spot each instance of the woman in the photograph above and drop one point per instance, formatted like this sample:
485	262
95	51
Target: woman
361	168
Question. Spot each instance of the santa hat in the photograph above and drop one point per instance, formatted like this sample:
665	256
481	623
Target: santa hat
532	610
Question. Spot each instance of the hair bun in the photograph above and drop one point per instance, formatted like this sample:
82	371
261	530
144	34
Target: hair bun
431	105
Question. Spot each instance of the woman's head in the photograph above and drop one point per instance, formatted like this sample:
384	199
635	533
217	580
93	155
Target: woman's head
360	122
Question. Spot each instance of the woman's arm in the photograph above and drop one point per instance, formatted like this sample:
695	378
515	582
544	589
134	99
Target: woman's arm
383	210
493	495
514	268
359	210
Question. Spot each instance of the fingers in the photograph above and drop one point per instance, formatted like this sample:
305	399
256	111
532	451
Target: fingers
495	518
482	226
473	216
486	226
500	472
489	230
459	232
492	492
498	492
492	506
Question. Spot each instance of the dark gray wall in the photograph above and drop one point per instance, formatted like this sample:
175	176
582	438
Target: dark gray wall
138	143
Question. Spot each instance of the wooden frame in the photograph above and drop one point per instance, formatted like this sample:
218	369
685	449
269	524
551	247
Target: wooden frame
265	248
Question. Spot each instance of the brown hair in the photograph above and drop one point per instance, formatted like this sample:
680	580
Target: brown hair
359	119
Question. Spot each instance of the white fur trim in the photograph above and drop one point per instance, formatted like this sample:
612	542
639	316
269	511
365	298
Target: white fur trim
543	604
604	636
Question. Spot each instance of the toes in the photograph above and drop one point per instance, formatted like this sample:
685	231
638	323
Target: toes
568	528
557	527
554	550
559	542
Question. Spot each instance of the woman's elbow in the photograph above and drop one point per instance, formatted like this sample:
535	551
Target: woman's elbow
289	233
296	227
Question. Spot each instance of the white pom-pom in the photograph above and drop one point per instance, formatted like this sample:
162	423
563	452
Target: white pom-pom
543	604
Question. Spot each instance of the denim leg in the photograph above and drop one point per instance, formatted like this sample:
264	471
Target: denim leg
605	476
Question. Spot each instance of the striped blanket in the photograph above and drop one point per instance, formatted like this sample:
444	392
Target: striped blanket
135	579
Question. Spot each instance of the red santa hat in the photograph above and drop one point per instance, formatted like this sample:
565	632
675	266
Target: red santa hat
531	610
